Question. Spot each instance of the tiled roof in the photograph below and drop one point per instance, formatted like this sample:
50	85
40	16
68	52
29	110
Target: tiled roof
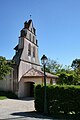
38	73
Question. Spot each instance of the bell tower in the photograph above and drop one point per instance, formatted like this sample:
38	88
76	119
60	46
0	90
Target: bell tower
27	49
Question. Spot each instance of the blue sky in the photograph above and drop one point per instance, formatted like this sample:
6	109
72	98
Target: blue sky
57	23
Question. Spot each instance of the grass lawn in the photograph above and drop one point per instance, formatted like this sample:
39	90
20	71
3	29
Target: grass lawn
3	97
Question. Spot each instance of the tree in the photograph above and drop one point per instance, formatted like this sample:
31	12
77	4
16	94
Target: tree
68	79
53	66
76	65
66	73
4	67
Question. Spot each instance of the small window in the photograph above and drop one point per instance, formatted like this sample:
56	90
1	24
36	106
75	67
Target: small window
31	29
30	37
33	51
33	39
29	49
36	42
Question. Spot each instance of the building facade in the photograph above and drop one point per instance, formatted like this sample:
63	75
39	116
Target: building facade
26	69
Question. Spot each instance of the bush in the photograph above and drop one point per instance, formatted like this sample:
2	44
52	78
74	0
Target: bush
60	99
39	99
8	94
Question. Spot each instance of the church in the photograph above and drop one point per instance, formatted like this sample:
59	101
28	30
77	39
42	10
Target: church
26	68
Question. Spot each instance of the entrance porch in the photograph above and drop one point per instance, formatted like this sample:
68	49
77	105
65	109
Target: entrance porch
31	77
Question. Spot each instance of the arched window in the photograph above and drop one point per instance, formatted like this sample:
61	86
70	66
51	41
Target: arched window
33	51
29	49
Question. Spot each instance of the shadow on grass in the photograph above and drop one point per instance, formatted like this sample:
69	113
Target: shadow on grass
34	114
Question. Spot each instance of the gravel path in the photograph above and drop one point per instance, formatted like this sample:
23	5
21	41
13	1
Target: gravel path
11	109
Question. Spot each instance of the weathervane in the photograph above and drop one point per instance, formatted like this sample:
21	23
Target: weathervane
30	16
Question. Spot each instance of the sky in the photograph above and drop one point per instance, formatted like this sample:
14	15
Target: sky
57	23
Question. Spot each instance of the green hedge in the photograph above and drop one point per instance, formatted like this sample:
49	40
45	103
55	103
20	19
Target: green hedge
60	99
